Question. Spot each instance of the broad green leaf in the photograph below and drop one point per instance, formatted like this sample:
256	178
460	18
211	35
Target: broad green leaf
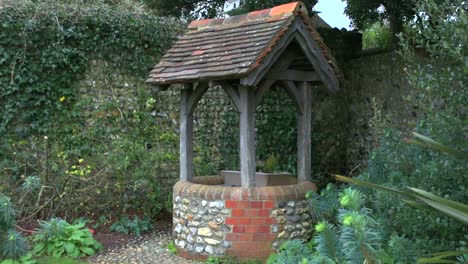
87	250
69	247
38	248
9	261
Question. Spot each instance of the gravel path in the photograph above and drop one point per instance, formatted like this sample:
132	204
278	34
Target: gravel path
147	249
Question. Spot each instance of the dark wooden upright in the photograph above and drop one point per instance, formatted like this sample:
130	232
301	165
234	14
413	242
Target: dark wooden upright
246	55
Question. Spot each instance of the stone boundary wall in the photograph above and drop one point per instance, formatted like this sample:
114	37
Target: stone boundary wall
212	219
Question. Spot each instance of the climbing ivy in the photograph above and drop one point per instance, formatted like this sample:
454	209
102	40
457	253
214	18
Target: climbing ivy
46	48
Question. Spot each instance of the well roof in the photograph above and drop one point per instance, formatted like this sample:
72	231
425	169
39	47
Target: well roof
229	48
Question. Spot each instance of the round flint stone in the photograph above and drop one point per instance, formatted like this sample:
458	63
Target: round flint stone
209	250
199	249
226	244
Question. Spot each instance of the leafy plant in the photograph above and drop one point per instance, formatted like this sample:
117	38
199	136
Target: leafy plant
26	259
292	251
171	247
57	238
135	226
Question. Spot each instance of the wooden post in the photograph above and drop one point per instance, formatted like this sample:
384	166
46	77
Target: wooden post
186	134
304	132
247	135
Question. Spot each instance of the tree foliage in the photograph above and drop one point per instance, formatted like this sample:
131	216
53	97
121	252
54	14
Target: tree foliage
189	9
364	13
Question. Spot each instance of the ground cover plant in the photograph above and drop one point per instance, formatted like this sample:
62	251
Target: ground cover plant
57	238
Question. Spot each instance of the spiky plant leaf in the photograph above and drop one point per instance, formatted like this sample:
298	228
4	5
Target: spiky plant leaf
359	237
7	213
351	199
13	245
326	241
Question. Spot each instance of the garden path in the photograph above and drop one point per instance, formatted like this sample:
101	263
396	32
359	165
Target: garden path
147	249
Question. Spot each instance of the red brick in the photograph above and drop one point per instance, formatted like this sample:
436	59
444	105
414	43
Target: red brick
268	204
231	237
230	204
251	212
231	221
270	221
244	221
245	237
238	212
257	221
238	229
243	204
264	212
256	204
257	229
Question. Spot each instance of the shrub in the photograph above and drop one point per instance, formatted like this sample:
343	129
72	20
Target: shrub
135	226
58	238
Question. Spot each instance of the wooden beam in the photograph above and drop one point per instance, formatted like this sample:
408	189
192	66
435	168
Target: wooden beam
196	95
298	32
304	133
247	136
293	92
261	90
316	57
293	75
186	134
258	73
233	93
